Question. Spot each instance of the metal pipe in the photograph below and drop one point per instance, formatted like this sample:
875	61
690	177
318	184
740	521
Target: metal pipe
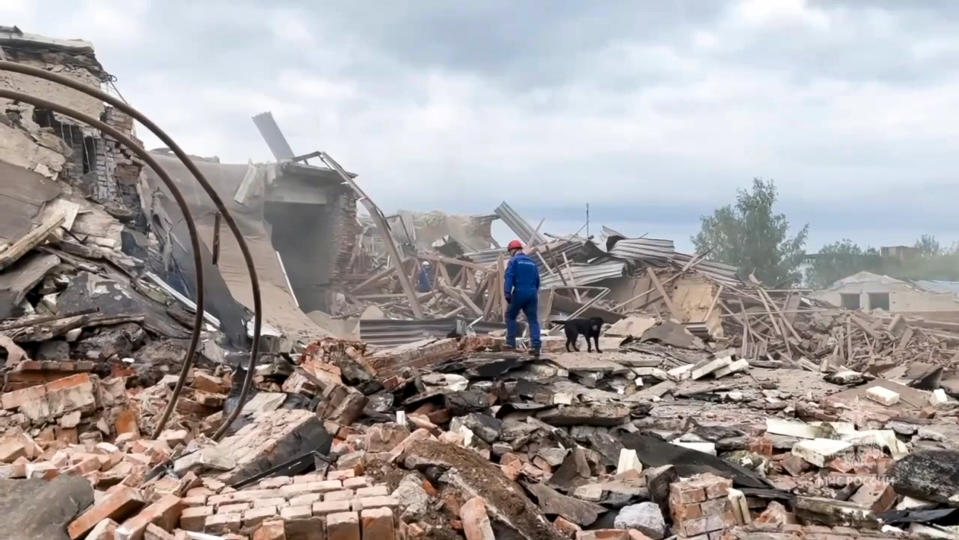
204	183
180	201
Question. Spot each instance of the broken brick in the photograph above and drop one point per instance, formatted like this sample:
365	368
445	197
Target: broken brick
118	505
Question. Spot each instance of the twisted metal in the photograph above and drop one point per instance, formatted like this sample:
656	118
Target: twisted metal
214	197
177	196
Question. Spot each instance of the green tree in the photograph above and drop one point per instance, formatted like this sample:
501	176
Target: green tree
841	259
928	246
751	236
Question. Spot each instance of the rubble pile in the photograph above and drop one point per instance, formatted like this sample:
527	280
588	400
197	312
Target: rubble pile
718	409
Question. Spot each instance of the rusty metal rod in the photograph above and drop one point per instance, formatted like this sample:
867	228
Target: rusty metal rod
216	238
205	184
181	203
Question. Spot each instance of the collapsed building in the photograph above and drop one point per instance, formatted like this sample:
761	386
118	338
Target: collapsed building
379	410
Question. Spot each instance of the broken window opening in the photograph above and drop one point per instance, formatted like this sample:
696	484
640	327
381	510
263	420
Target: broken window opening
879	301
850	301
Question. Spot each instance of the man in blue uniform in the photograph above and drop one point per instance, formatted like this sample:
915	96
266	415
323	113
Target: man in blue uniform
522	294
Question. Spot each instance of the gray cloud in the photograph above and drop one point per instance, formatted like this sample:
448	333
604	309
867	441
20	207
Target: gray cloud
654	112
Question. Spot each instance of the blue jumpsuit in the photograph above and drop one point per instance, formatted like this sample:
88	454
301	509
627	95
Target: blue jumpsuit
522	293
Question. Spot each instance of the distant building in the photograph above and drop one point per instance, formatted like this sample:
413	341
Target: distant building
868	291
898	252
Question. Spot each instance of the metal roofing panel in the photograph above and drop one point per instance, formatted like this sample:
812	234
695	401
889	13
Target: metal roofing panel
643	249
392	332
518	225
718	271
584	274
938	286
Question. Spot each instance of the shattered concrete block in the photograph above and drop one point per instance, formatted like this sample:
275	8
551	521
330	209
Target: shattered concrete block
883	396
681	373
628	461
736	367
834	513
343	526
938	398
819	451
800	430
737	500
117	506
706	367
607	415
270	439
704	447
645	517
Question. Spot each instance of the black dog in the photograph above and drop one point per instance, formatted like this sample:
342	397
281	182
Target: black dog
590	328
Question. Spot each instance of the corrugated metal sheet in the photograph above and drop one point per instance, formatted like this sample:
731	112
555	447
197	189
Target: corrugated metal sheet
718	271
643	249
390	333
584	274
518	225
938	286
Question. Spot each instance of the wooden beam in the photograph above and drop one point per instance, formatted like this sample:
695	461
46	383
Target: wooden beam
384	229
32	239
662	291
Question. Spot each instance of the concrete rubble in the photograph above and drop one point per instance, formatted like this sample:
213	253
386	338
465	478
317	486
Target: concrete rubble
718	409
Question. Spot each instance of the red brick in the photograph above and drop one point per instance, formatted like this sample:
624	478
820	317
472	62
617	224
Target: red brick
876	496
343	526
604	534
105	530
377	524
685	494
233	508
476	524
194	518
388	501
11	450
154	532
194	500
341	474
297	512
330	507
272	501
682	512
373	491
165	513
303	479
304	500
252	518
13	400
356	482
117	505
566	529
692	527
342	495
271	529
126	422
275	482
312	487
223	523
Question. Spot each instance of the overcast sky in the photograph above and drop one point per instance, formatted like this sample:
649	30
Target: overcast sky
653	112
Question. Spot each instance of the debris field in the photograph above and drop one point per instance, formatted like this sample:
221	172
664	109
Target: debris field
718	409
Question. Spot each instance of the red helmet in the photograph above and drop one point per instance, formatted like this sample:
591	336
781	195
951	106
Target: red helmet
514	244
